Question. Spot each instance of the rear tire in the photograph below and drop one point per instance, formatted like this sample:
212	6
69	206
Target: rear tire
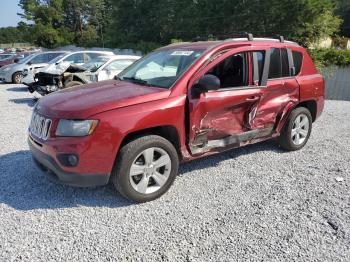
17	78
73	83
145	168
297	130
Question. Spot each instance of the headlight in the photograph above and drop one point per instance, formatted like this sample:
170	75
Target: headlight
76	127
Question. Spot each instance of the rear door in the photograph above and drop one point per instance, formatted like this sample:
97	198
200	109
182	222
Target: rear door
282	92
225	117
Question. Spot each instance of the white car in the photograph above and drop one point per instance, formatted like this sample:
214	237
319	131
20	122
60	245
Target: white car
66	59
101	68
65	75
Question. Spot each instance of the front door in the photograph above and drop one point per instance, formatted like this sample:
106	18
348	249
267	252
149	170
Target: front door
225	117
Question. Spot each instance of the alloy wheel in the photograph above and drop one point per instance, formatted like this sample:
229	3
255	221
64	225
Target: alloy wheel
300	129
150	170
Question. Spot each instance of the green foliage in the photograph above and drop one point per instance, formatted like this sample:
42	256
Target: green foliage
145	24
330	57
59	22
20	34
343	10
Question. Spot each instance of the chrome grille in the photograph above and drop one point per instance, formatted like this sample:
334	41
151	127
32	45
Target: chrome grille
40	126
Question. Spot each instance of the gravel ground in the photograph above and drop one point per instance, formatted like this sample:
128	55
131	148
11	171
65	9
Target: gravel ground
253	203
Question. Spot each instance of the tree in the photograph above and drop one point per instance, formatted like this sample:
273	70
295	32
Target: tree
80	22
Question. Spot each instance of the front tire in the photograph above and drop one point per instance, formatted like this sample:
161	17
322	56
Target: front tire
145	168
17	78
297	130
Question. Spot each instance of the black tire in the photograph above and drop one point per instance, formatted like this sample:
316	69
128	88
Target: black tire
285	140
120	175
17	78
73	83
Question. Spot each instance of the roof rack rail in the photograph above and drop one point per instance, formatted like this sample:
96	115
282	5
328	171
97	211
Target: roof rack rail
280	38
249	36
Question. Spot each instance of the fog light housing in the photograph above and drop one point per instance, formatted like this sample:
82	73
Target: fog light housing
68	160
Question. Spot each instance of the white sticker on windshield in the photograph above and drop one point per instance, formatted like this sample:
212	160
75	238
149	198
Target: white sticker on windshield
182	53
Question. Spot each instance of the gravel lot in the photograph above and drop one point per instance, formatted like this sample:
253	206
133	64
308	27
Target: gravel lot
253	203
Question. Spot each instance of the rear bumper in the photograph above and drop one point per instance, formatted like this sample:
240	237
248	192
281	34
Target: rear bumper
53	171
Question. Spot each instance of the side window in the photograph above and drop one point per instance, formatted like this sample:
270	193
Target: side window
39	59
75	58
275	64
298	60
285	63
232	71
119	65
260	57
51	56
90	56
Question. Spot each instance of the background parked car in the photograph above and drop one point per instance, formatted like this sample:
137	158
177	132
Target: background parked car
4	56
14	58
64	61
14	73
98	69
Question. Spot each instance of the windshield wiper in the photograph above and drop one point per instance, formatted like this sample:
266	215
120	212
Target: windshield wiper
136	80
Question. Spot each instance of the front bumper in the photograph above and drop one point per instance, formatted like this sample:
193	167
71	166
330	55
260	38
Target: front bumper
41	89
55	173
6	77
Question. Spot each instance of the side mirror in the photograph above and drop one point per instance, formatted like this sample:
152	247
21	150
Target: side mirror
208	83
16	60
29	63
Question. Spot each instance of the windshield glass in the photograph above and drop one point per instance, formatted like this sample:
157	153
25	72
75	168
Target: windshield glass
54	61
26	59
94	64
161	68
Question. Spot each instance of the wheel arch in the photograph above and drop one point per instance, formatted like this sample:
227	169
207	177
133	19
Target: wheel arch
78	79
17	72
168	132
311	105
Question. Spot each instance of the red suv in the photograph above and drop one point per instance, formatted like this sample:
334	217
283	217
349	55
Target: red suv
179	103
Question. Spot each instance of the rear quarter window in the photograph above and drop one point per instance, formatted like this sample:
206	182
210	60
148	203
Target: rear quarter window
298	61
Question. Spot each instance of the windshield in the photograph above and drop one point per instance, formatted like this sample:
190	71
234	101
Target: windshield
94	64
54	61
161	68
26	59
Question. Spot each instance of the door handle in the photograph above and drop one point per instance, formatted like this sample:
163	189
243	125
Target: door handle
253	98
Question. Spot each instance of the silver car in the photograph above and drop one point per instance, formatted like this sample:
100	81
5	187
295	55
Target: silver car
13	73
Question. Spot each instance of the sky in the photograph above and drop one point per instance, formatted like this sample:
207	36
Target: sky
8	13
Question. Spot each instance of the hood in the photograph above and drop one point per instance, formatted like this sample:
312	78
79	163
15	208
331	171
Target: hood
83	101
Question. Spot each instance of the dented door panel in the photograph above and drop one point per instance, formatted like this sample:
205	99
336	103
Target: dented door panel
278	95
219	114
